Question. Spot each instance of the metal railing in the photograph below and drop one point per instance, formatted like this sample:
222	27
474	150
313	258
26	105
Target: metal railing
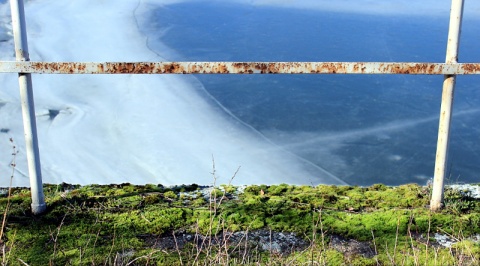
25	68
241	68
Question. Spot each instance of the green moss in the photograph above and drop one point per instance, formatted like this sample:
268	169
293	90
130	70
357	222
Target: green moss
199	202
216	193
228	189
170	195
334	257
91	224
152	198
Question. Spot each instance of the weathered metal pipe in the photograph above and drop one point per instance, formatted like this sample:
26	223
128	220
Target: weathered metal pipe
240	68
28	108
456	12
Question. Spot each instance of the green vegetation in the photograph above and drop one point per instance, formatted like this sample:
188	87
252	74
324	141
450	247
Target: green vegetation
155	225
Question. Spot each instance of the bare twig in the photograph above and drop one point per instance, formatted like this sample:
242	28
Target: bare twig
428	236
375	246
178	249
392	259
12	243
215	239
5	213
142	257
113	241
23	262
415	257
55	240
84	249
322	232
94	245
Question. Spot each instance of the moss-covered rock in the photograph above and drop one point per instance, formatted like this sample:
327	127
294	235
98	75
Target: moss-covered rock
115	224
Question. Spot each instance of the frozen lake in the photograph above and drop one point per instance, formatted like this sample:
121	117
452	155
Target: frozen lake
363	129
302	129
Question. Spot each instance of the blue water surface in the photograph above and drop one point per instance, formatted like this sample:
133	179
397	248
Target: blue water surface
365	129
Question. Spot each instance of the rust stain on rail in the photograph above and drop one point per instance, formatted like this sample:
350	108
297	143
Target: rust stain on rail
417	68
58	67
240	68
471	67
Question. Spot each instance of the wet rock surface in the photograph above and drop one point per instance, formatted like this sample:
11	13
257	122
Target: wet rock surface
261	240
351	247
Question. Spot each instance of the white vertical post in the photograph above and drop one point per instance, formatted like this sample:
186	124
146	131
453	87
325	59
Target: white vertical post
456	13
28	108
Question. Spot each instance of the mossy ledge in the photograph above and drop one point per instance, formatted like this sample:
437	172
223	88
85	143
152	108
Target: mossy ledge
280	224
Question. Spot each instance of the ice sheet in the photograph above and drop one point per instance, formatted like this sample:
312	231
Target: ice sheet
127	128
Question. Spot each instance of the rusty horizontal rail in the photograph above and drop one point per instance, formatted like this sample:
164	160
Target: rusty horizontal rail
239	68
